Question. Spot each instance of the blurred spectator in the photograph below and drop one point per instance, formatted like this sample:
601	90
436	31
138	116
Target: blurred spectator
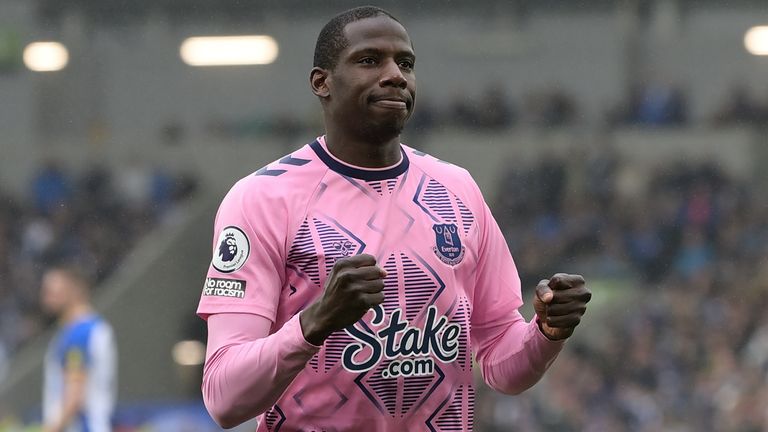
134	184
494	110
740	108
551	107
491	110
50	188
661	105
600	170
160	190
695	253
462	112
654	104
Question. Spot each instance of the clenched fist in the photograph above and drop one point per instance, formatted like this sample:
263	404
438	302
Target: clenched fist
354	286
560	303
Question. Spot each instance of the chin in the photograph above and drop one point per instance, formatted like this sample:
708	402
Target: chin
384	131
390	126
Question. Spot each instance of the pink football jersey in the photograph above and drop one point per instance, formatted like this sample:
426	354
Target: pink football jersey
407	365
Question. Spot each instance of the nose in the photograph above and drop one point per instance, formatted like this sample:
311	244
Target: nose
392	76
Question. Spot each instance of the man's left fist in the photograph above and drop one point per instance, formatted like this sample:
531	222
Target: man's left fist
560	303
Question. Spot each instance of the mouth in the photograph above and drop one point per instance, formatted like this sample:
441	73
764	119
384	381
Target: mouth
392	102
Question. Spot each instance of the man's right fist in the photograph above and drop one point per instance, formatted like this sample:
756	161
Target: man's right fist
355	285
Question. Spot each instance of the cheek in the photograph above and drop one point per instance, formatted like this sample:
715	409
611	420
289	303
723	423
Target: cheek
350	92
359	84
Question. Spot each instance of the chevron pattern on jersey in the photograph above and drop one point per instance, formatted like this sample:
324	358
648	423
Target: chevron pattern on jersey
441	205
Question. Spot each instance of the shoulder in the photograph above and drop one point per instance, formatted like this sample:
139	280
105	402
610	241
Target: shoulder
101	325
79	333
283	181
453	177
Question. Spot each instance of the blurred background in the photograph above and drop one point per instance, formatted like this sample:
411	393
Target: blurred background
621	139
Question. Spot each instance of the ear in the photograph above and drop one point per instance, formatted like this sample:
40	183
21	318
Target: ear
318	81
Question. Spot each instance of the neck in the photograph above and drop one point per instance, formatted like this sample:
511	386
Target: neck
363	151
75	312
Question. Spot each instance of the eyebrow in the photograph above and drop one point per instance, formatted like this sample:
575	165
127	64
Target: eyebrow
372	50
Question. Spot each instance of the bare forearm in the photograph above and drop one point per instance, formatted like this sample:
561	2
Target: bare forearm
243	380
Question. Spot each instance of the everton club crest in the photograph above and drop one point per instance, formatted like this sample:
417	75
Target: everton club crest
448	244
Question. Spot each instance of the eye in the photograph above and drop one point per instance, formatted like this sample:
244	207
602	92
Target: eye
406	64
367	61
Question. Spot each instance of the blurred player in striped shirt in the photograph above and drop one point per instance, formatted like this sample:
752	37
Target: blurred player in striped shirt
80	365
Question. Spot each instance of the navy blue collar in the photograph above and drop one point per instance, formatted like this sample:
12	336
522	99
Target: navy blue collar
359	173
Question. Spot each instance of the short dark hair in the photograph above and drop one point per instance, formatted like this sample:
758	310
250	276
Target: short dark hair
331	40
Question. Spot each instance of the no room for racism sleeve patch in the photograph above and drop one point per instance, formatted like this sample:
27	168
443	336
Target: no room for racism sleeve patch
224	287
232	250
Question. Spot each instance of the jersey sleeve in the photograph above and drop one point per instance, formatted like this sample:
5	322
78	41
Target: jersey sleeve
247	268
512	354
75	354
497	284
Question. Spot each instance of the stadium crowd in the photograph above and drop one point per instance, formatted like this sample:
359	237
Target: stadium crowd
649	104
91	220
687	348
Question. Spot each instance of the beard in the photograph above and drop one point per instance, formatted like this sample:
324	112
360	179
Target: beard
383	129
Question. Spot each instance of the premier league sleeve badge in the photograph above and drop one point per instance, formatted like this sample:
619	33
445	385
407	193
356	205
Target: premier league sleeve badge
232	251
